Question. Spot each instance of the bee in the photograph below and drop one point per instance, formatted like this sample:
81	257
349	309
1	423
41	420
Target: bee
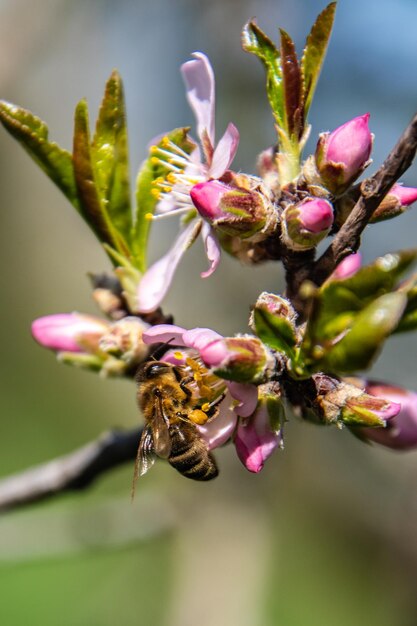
171	413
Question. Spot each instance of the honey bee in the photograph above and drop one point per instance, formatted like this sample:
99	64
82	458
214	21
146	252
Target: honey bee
171	414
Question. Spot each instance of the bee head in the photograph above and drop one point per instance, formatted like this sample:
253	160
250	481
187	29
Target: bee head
152	369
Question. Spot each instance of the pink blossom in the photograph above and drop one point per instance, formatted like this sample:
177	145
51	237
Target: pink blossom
401	430
348	267
255	440
316	215
187	171
342	155
68	332
405	195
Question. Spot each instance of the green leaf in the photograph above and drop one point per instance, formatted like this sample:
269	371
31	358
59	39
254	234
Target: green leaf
339	301
276	332
256	42
292	84
357	349
146	191
109	152
93	208
32	134
315	51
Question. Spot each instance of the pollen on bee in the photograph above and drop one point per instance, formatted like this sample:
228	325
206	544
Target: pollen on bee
198	417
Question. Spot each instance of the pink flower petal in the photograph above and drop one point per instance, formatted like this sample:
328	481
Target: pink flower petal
255	441
218	431
212	247
164	333
247	395
225	152
199	80
157	280
199	338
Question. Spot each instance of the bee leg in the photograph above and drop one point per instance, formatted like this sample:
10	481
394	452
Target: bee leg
183	384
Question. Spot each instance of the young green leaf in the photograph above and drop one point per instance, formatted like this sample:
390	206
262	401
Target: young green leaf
109	153
293	88
358	348
315	51
256	42
147	191
276	332
32	134
93	208
339	301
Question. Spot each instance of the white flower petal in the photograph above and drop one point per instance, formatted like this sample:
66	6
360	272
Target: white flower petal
156	281
199	80
212	247
225	152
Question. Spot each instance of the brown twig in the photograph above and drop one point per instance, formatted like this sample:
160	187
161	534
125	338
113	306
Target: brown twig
72	472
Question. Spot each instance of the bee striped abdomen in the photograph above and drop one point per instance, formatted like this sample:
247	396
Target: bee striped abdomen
189	455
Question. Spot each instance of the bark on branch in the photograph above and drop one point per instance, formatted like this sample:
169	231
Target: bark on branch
72	472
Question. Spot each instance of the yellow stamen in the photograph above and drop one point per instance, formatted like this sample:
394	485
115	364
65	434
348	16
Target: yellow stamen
153	149
156	193
165	142
155	160
178	355
205	407
149	216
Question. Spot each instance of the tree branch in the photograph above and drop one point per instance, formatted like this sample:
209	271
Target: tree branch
72	472
373	190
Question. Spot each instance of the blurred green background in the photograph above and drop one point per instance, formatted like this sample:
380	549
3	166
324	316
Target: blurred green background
326	534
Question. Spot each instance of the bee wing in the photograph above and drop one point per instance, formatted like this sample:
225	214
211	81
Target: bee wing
160	428
145	457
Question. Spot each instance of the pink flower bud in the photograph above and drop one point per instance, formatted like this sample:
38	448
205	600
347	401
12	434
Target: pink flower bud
401	430
68	332
307	223
256	438
242	359
395	202
241	209
342	155
405	195
207	198
348	267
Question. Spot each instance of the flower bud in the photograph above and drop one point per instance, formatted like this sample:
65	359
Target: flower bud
340	401
397	200
342	155
305	224
242	359
259	435
348	267
401	431
124	340
241	210
69	332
